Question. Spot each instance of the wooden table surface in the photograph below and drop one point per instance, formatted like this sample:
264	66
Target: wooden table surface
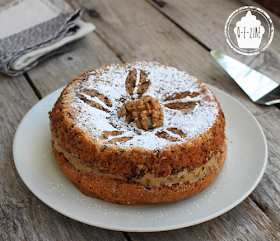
178	33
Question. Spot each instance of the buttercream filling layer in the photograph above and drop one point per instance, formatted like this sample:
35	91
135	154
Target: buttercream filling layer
148	180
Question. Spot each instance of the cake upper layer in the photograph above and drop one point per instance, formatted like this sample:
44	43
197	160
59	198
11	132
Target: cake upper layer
189	107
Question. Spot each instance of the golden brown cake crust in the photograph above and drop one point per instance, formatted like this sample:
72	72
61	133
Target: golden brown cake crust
124	162
122	192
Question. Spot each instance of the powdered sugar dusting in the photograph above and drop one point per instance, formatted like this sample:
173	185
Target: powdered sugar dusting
164	81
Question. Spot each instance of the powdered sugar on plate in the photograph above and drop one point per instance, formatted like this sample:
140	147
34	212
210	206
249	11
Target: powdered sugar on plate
164	81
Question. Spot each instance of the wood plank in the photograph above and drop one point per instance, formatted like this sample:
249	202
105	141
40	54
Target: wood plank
16	98
136	32
266	195
192	16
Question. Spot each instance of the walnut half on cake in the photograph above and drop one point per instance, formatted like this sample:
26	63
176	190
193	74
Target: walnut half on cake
138	133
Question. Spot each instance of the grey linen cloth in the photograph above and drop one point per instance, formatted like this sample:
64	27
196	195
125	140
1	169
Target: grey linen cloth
36	37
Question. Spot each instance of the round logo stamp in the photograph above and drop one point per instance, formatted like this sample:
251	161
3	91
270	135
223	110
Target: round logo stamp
249	30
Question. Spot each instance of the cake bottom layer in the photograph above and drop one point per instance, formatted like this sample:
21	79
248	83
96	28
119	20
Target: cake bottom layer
122	192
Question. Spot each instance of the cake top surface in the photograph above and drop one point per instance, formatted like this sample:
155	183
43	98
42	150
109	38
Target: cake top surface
189	107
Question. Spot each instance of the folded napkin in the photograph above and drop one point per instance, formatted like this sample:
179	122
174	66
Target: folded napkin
32	30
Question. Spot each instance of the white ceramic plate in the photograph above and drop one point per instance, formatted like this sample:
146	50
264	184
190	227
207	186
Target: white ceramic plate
243	170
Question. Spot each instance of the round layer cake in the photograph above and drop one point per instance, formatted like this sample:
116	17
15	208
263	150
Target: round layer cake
138	133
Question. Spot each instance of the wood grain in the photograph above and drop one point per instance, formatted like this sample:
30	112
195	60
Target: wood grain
229	226
16	98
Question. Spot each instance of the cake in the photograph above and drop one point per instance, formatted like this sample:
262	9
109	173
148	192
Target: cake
138	133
